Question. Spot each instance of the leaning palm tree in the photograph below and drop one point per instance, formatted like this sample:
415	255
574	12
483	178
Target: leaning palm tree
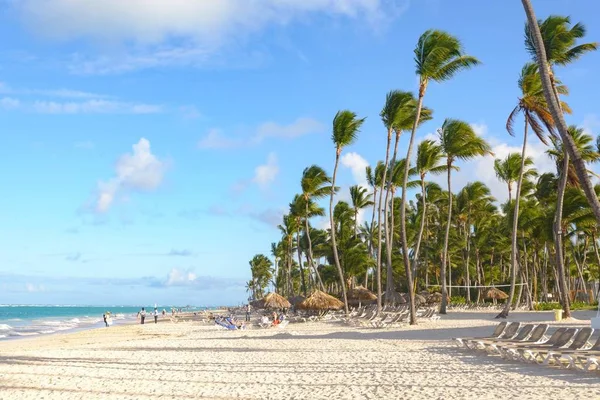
429	156
346	127
459	142
438	56
554	44
316	184
398	115
534	108
360	199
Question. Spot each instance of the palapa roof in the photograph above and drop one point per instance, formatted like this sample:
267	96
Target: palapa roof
321	301
361	293
434	298
493	293
273	300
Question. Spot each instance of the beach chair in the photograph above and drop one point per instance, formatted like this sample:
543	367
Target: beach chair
580	340
510	332
523	334
460	342
509	350
581	359
537	335
529	353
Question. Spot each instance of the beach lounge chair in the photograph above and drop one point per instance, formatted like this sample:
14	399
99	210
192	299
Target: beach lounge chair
529	353
523	334
537	335
509	333
580	340
509	350
460	342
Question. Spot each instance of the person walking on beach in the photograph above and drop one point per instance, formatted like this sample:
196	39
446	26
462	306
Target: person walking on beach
142	315
155	315
248	312
105	321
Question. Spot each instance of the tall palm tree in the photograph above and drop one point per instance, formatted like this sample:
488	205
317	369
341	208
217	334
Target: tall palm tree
399	115
459	142
346	127
374	179
316	184
287	229
297	212
438	56
429	156
534	108
566	175
360	199
549	49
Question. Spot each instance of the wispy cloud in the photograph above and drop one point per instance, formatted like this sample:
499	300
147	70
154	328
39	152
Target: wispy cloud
200	29
93	107
216	139
264	175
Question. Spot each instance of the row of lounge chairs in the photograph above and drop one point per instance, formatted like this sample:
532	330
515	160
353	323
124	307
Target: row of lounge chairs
565	348
390	316
480	306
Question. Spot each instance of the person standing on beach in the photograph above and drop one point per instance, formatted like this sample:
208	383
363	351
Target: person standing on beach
248	312
155	315
105	321
142	315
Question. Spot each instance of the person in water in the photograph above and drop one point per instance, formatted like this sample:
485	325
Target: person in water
142	315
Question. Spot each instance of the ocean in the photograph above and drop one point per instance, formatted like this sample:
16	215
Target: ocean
31	320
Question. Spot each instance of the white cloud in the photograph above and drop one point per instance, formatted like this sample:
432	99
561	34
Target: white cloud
357	165
93	107
33	288
199	27
215	139
265	174
137	171
178	277
63	93
300	127
9	103
480	129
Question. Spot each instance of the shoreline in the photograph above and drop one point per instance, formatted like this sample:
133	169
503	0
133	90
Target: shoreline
317	360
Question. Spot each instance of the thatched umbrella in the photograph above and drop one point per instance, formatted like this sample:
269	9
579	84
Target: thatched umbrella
434	298
420	299
360	295
321	301
273	300
496	294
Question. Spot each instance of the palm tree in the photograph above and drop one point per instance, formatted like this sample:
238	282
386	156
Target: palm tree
566	174
438	56
287	229
534	108
346	127
557	47
458	142
360	199
429	156
398	115
297	212
315	185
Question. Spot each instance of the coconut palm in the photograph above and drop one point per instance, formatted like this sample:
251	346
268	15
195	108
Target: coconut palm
459	142
553	43
438	56
287	229
429	157
398	115
346	127
316	184
534	108
360	199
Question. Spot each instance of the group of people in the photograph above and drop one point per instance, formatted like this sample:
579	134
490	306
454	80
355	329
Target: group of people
277	319
141	315
230	322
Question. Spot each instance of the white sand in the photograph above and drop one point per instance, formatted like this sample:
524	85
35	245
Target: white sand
304	361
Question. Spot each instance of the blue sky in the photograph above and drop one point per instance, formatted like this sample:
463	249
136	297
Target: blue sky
148	151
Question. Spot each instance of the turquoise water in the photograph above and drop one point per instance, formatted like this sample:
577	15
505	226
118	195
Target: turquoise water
26	320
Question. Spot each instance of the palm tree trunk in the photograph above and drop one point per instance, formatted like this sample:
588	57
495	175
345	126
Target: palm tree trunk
336	257
389	229
302	279
557	230
371	232
421	227
383	182
310	252
446	237
557	115
514	249
467	260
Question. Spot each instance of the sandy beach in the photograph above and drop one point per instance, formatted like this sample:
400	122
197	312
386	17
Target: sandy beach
323	360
